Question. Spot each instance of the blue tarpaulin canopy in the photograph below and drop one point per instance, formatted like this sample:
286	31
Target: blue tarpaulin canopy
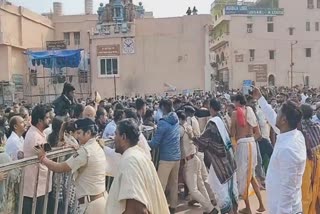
55	58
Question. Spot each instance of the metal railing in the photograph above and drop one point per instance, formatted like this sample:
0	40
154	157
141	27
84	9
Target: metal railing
18	169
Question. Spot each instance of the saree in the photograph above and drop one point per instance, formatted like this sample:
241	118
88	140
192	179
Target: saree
311	176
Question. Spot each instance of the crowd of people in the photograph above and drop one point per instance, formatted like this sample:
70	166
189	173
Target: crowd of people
214	148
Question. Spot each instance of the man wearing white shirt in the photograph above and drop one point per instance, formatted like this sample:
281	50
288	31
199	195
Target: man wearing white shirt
14	146
287	164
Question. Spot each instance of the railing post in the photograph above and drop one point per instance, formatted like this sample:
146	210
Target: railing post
21	186
45	204
56	202
35	191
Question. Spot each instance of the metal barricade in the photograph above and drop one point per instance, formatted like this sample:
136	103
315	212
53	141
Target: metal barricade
58	179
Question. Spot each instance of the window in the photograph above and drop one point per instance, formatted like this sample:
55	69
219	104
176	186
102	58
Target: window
76	38
252	52
118	12
310	4
270	27
307	26
306	81
271	54
291	29
270	19
308	52
222	57
318	3
249	28
33	78
317	26
108	66
67	38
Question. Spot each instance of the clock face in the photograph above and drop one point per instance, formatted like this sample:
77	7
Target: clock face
128	46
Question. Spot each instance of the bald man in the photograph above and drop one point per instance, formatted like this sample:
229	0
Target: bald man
89	112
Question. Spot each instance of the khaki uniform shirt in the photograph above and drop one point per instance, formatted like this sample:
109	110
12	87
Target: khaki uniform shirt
88	167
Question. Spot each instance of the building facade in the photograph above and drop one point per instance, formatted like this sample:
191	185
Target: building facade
128	52
17	34
271	46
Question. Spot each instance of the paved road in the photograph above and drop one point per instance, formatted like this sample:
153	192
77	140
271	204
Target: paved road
184	209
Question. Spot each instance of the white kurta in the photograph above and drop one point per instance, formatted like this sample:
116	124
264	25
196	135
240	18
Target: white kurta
286	168
136	179
113	158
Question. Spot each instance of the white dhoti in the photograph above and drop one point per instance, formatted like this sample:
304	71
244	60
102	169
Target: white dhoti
246	159
225	194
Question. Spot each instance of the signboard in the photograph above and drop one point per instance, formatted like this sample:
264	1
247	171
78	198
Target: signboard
245	10
267	11
236	9
239	58
261	76
258	68
56	45
108	50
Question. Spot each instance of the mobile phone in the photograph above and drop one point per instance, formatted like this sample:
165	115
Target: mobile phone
46	147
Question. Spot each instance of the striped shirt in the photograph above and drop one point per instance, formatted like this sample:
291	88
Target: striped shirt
311	132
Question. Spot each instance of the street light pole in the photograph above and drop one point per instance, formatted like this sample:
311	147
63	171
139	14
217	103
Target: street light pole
292	63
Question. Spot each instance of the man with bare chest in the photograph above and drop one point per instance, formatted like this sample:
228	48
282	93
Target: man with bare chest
245	129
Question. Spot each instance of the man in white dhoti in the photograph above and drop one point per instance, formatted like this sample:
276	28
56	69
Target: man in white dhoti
216	144
136	187
287	164
245	129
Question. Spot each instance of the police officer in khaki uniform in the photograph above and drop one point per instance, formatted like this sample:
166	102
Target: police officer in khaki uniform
88	167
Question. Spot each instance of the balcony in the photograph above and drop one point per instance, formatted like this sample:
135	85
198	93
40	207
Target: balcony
222	65
221	19
114	30
219	41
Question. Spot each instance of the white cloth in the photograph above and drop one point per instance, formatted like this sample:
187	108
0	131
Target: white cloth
251	117
113	158
14	145
222	130
315	119
246	159
136	179
226	193
48	131
264	126
286	168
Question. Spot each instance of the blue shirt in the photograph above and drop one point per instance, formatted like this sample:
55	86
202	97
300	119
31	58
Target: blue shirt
110	130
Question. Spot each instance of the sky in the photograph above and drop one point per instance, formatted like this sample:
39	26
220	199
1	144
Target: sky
160	8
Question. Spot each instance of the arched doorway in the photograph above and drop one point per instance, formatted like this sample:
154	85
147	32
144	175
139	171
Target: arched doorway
271	80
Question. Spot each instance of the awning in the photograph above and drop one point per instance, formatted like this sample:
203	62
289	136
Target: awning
55	58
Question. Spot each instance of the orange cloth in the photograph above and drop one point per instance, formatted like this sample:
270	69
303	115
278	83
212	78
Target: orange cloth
311	185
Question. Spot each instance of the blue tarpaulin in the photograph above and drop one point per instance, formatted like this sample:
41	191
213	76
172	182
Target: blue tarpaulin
55	58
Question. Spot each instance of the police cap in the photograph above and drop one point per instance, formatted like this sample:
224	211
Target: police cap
189	109
84	124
